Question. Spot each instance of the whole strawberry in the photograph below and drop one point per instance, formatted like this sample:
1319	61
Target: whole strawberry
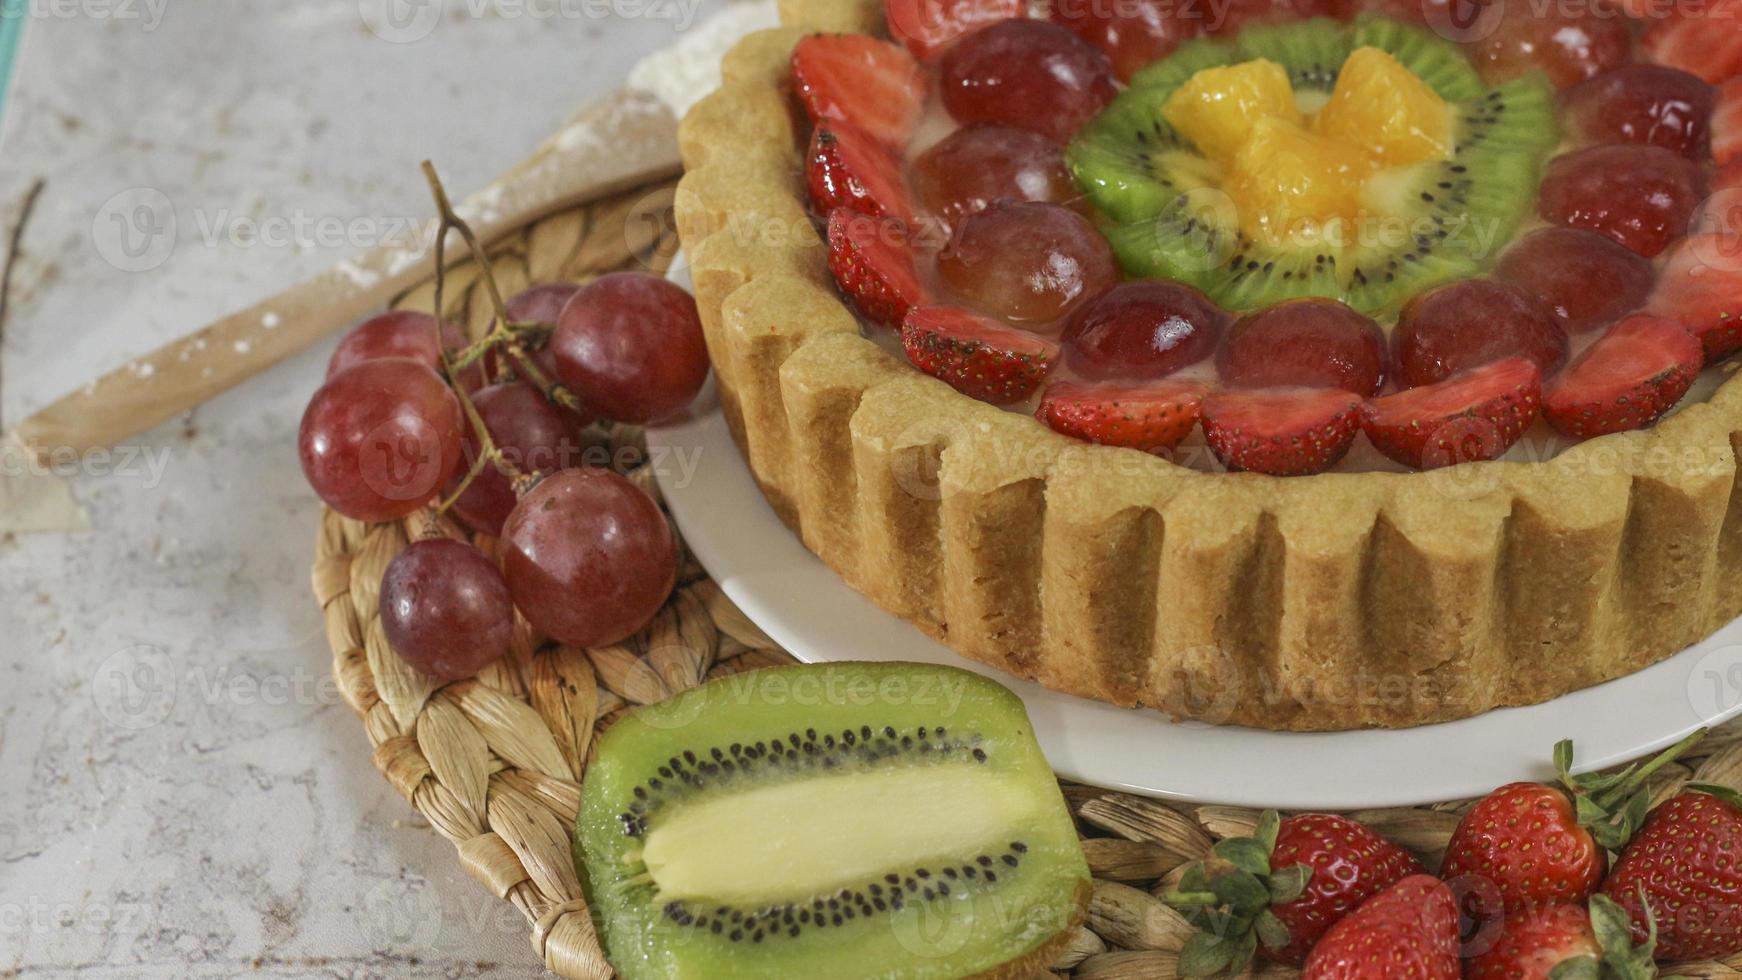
1410	930
1686	862
1529	844
1557	942
1290	882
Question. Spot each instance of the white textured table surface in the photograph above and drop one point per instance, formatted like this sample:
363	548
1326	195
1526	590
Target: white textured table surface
182	792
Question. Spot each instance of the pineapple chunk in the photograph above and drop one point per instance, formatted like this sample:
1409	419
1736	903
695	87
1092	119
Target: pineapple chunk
1290	184
1217	108
1383	107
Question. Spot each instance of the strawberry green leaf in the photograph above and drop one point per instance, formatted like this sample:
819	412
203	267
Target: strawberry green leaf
1269	825
1613	806
1286	885
1271	931
1242	892
1205	955
1246	853
1195	879
1621	959
1193	899
1610	923
1244	949
1577	968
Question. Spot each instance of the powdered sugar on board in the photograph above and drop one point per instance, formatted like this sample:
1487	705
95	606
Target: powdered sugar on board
684	72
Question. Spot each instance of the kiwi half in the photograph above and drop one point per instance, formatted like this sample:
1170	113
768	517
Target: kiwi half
845	820
1167	218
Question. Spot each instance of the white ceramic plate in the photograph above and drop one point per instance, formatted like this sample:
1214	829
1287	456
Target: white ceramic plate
811	612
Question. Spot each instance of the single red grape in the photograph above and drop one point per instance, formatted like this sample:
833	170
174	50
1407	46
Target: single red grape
1640	196
1586	279
629	345
1142	330
976	165
533	435
1027	262
589	557
1647	104
403	333
1305	342
379	439
1133	33
445	608
1471	323
1568	43
1030	74
540	304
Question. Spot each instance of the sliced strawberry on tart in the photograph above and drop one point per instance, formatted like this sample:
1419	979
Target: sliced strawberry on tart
873	262
1701	289
1152	417
1475	415
1700	38
856	79
848	168
928	26
1627	380
1282	431
1726	128
977	355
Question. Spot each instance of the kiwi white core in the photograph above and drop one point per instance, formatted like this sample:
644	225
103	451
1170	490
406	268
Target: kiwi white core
809	837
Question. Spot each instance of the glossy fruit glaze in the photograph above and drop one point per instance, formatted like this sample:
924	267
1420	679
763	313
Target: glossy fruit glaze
982	225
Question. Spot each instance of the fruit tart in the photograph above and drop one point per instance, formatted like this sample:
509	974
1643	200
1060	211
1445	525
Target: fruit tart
1310	366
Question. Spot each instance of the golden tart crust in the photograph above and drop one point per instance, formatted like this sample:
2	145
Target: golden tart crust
1312	603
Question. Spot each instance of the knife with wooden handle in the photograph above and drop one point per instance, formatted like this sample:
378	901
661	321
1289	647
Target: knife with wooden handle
628	139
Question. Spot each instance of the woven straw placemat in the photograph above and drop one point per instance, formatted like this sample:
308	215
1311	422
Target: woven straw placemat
495	763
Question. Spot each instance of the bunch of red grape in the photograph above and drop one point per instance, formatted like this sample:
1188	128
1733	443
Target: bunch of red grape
410	416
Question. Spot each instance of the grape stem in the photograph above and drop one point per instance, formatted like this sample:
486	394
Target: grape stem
505	331
502	334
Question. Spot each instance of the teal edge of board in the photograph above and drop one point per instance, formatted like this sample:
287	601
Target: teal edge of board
12	15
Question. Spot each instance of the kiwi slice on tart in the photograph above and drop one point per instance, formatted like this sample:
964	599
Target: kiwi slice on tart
1132	164
1461	211
1420	219
1312	51
840	820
